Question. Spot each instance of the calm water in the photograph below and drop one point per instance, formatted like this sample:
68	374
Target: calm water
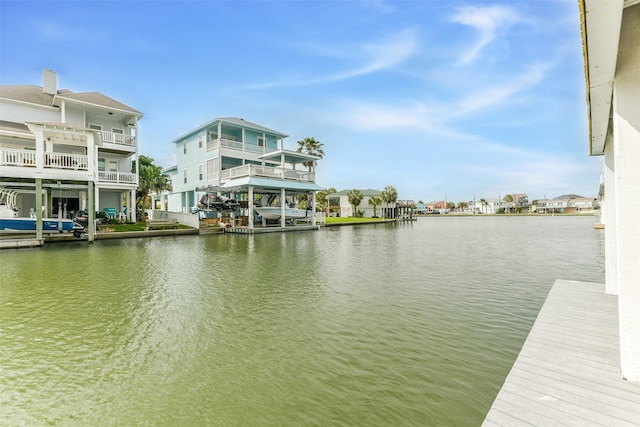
407	324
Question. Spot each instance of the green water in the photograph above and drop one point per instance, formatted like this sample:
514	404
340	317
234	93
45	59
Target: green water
407	324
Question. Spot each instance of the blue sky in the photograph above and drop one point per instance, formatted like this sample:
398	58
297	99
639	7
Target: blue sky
450	99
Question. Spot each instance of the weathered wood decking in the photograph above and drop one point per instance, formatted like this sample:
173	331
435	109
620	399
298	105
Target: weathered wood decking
568	371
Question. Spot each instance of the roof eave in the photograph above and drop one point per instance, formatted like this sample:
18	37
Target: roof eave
131	112
600	24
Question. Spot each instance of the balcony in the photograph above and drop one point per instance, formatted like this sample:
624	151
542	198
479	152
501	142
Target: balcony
118	139
266	172
66	161
117	177
27	158
239	145
22	158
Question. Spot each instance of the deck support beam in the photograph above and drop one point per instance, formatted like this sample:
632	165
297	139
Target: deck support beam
39	208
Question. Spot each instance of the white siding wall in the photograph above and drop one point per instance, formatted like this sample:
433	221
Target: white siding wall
20	113
74	116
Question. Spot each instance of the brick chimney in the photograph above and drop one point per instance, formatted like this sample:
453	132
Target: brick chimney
49	81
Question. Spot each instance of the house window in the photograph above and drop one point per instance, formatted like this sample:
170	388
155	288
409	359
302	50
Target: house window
184	150
185	176
113	166
118	131
200	142
95	127
200	172
212	169
261	141
102	165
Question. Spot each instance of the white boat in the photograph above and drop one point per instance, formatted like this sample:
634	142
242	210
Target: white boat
9	220
275	212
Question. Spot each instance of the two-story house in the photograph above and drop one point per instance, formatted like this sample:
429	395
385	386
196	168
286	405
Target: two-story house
515	203
569	203
233	158
64	151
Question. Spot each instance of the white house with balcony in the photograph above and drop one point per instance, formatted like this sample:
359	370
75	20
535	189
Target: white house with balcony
76	150
233	158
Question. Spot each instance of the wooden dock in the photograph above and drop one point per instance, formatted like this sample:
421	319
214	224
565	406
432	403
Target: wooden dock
275	229
568	371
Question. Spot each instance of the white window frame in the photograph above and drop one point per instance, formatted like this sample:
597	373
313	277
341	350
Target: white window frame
94	126
262	141
184	174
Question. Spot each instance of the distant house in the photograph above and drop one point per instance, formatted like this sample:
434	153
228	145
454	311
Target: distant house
421	208
440	205
490	206
515	203
339	204
569	203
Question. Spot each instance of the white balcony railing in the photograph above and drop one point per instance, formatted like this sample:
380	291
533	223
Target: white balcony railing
267	172
11	157
79	162
238	145
117	177
66	161
118	138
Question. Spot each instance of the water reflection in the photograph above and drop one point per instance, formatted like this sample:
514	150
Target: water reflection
413	323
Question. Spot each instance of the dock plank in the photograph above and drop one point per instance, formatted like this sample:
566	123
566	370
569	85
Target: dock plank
568	371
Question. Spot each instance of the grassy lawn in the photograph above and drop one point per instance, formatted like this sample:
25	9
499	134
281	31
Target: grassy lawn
337	220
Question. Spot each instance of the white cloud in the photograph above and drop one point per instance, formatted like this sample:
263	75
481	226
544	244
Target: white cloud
434	117
491	96
486	20
393	50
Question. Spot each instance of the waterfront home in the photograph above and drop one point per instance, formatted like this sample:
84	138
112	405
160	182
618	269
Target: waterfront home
339	204
515	203
611	46
64	151
489	206
440	206
568	204
230	158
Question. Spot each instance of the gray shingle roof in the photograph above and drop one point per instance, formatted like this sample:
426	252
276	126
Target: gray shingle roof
35	95
245	123
236	121
98	99
14	127
27	93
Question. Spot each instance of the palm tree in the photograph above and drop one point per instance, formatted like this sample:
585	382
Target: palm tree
150	179
451	206
389	195
375	201
310	146
354	197
508	198
462	205
484	204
